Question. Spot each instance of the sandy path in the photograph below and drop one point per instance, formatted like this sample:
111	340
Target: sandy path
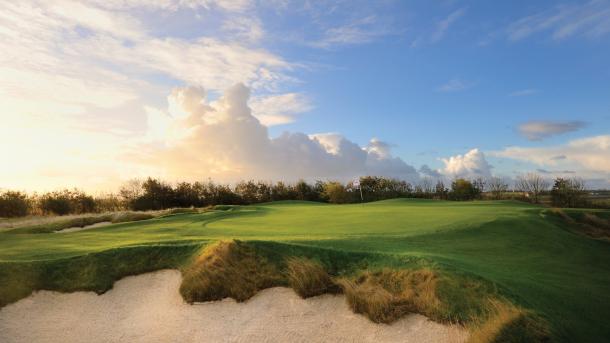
87	227
148	308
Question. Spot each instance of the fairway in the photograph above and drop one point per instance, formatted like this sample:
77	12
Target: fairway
530	256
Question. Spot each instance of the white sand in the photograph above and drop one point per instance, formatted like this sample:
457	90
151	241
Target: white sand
77	228
148	308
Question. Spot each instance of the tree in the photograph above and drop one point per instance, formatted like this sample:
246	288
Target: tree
55	203
532	184
336	193
248	191
440	190
497	186
479	185
156	195
567	192
427	187
462	189
130	191
305	191
14	204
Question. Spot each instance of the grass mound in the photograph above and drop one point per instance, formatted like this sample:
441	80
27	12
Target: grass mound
585	223
84	220
124	217
387	295
506	322
228	269
308	278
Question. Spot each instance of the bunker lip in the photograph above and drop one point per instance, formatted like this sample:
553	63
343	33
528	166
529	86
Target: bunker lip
148	307
87	227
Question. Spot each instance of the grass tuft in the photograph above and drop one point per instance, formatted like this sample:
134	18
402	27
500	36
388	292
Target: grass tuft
387	295
228	269
308	278
506	322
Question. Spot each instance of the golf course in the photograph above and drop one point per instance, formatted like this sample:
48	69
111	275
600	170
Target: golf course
523	254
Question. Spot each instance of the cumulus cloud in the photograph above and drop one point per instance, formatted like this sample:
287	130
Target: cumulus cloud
538	130
279	109
470	165
223	140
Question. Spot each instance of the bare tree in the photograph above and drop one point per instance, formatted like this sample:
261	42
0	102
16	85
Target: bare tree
497	186
427	186
131	190
533	184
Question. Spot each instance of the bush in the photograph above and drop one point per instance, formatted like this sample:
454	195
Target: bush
336	193
462	189
567	192
14	204
55	203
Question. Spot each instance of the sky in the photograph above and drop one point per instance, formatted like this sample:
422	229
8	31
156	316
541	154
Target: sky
94	93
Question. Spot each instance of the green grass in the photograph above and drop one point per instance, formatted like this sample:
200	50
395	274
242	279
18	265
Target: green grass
528	255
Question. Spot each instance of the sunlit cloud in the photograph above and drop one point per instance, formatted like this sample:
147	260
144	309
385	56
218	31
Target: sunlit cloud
223	140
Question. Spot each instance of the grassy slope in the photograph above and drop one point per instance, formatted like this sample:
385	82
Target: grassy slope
532	258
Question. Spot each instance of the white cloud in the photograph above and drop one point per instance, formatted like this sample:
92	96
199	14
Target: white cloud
279	109
64	57
173	5
590	19
359	31
586	154
523	92
234	145
455	85
443	25
244	28
470	165
538	130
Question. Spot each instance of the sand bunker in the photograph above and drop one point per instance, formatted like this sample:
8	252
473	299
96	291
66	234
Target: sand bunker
76	228
148	308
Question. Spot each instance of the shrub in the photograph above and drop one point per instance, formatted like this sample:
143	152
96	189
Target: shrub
567	192
462	189
336	193
14	204
55	203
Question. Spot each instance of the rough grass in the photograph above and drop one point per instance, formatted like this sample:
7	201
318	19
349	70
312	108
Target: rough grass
308	278
60	223
585	223
387	295
228	269
92	272
505	322
238	270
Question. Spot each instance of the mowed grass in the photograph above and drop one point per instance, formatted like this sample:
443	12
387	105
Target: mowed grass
529	255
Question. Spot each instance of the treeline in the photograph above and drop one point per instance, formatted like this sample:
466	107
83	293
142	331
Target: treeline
154	194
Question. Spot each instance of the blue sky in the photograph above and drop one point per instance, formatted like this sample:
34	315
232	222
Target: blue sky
469	88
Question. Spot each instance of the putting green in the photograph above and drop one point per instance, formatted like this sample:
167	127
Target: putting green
531	257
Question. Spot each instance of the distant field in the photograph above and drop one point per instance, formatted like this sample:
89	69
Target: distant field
531	256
